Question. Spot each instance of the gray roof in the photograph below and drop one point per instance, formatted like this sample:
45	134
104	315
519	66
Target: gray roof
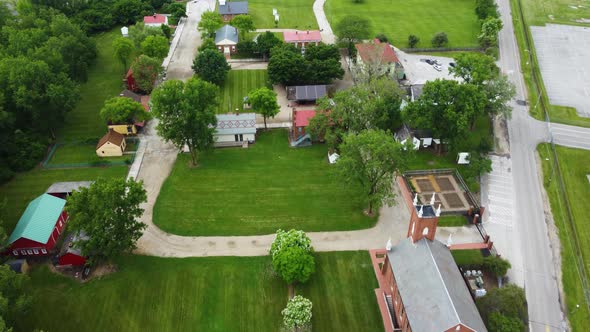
416	90
309	92
71	246
431	287
234	8
232	124
226	32
67	187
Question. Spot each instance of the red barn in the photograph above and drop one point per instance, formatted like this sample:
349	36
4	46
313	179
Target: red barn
39	227
71	253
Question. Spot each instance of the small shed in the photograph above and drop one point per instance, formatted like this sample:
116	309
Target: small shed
64	189
71	254
463	158
226	39
112	144
237	128
125	31
306	93
39	227
130	81
155	20
300	122
229	10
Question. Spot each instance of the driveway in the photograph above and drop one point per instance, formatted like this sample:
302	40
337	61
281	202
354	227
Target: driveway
418	72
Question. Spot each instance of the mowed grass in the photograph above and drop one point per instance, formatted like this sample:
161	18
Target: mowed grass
423	18
105	80
452	221
575	165
539	12
204	294
257	190
237	86
293	14
80	154
25	187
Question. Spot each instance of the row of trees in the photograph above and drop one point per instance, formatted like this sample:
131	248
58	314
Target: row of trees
43	59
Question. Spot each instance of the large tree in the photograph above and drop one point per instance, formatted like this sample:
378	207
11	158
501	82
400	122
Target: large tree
211	66
210	22
286	65
369	160
177	10
145	72
265	42
474	68
123	49
155	47
264	102
292	256
353	29
509	301
139	32
107	213
244	24
128	11
489	32
297	314
187	114
320	65
14	299
122	110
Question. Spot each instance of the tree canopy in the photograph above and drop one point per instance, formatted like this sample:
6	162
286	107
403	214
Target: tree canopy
13	297
352	29
187	114
145	71
265	42
264	101
292	256
440	39
210	22
297	314
368	160
177	10
123	47
319	65
107	213
122	110
211	66
244	24
155	46
139	32
509	301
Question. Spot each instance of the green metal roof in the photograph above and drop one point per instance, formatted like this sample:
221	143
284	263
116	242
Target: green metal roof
39	219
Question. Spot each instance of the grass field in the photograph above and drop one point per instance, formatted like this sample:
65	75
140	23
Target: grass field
423	18
575	165
258	190
204	294
80	154
237	86
539	12
104	81
467	257
452	221
293	14
27	186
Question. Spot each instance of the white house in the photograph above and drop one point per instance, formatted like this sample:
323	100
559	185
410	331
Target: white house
155	20
235	129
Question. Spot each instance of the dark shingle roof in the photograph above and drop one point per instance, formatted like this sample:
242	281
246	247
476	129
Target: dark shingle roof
226	32
113	137
306	92
234	8
430	285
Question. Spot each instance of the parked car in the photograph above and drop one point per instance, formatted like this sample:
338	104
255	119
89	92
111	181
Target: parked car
436	62
452	64
437	67
428	61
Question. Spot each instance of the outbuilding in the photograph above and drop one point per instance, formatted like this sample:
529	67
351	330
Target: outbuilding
65	189
226	39
300	122
229	10
306	93
235	129
155	20
39	227
112	144
71	254
302	39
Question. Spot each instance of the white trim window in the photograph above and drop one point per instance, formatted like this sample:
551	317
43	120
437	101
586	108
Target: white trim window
23	252
15	252
36	251
44	252
29	252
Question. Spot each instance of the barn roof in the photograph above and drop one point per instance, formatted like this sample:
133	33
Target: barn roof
302	117
234	8
67	187
226	32
430	285
38	220
113	137
232	124
153	19
302	36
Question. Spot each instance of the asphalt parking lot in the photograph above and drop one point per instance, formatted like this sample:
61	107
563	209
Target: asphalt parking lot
563	52
418	72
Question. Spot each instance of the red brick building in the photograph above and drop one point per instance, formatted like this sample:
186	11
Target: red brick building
300	122
420	286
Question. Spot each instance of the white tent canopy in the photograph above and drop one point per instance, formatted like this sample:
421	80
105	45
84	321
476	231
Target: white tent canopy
463	158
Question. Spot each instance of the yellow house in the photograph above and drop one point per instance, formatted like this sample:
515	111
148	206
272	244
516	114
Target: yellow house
125	129
112	144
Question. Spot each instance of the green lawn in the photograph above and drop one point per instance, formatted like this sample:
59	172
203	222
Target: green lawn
538	12
452	221
80	154
467	257
104	81
257	190
204	294
575	165
27	186
293	14
423	18
237	86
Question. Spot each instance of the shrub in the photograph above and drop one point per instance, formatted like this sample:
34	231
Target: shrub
413	40
509	301
496	265
382	38
440	39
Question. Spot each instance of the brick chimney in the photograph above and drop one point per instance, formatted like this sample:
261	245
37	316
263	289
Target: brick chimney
423	221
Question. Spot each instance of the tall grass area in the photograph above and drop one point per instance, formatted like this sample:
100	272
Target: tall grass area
105	80
575	166
423	18
237	86
204	294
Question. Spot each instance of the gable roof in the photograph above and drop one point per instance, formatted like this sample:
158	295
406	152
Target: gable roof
302	36
113	137
234	8
226	32
39	219
154	19
368	52
67	187
232	124
430	285
302	117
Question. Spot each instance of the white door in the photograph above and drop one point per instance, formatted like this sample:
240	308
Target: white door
226	49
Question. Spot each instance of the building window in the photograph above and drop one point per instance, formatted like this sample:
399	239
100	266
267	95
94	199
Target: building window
299	129
60	223
15	252
29	252
36	251
425	231
23	252
43	251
